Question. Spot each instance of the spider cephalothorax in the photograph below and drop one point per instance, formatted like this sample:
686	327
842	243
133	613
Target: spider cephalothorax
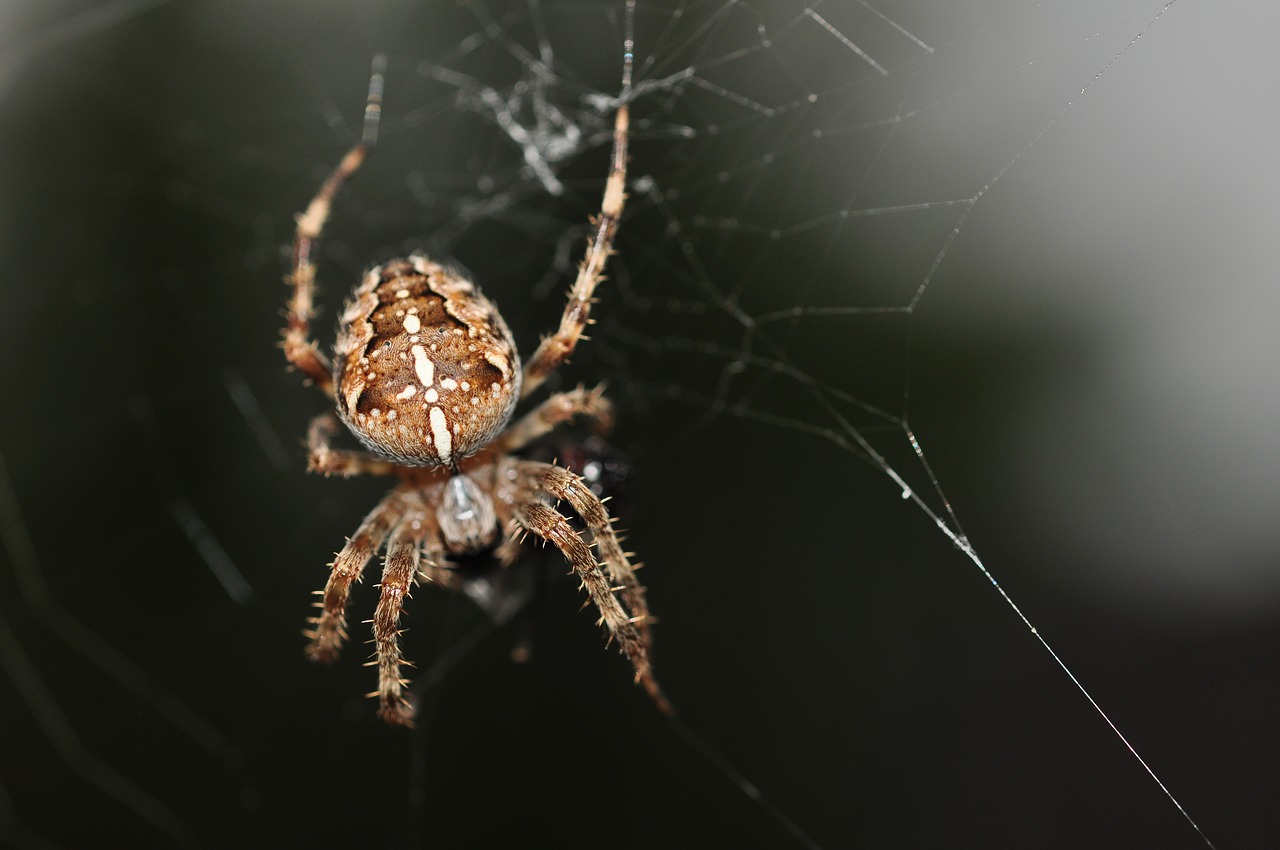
426	375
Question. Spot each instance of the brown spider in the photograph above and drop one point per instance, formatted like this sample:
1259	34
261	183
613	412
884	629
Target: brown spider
426	375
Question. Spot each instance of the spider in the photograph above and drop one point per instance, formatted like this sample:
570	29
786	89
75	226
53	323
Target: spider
426	375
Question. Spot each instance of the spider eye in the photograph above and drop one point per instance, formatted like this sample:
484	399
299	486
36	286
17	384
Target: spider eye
425	368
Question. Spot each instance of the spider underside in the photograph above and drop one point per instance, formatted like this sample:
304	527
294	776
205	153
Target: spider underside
427	377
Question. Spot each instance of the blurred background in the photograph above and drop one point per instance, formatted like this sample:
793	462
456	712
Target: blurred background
1034	244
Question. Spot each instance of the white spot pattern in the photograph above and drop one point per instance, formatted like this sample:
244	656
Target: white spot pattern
440	431
423	366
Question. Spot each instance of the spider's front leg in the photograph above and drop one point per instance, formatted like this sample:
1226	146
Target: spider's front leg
549	524
557	348
329	628
299	348
398	578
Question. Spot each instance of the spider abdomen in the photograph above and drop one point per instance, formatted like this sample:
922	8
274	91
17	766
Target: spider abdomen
425	369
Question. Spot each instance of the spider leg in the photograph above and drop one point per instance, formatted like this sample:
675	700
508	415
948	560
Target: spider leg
564	484
507	553
330	461
434	566
551	525
530	618
330	626
556	348
560	408
398	577
299	349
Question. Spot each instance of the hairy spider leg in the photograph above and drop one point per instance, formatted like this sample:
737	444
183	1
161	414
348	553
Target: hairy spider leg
299	348
563	484
554	412
399	575
556	349
323	458
549	524
330	626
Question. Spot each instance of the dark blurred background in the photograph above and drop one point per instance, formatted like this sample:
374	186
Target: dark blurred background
1090	369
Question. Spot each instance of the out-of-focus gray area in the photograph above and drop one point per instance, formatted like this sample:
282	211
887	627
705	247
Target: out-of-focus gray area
1150	248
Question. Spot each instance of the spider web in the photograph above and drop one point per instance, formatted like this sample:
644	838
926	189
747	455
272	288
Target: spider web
884	268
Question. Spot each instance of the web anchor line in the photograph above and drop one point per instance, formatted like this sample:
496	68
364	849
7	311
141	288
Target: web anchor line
858	443
953	531
743	784
962	543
